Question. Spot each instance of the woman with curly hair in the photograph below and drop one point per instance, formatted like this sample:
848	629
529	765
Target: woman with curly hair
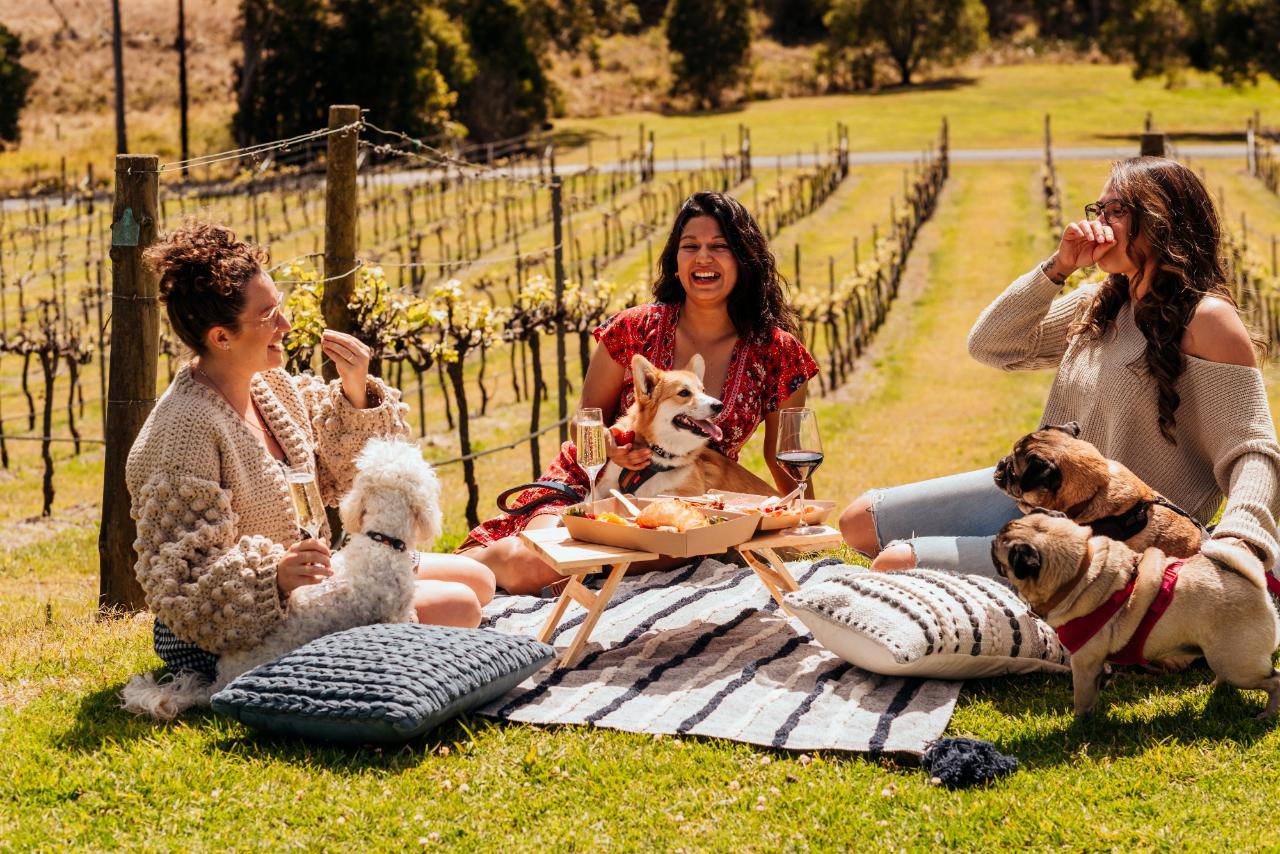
218	542
718	293
1154	363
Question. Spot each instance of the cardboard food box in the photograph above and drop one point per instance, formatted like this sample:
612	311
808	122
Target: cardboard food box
713	539
815	512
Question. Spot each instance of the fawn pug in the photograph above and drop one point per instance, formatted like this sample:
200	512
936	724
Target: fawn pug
1055	469
1108	602
673	416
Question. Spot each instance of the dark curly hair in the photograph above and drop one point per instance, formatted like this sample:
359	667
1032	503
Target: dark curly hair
203	271
1170	206
758	302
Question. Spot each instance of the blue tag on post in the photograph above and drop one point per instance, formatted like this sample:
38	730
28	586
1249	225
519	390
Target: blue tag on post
126	232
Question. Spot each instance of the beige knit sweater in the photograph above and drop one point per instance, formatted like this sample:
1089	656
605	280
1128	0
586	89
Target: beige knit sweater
212	505
1226	441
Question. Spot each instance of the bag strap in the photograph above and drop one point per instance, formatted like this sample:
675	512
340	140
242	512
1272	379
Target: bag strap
559	492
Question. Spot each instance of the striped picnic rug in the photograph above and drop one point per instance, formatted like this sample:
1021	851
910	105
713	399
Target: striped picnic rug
703	650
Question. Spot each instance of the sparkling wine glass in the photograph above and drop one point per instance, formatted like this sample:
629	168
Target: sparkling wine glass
589	437
799	452
307	504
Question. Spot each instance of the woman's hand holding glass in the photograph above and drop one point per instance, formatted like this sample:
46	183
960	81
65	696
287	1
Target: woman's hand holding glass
305	562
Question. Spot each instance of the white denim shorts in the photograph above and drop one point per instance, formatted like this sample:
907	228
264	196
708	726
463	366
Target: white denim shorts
949	521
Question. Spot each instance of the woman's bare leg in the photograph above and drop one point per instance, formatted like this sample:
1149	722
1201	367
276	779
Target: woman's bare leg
858	527
460	569
515	566
446	603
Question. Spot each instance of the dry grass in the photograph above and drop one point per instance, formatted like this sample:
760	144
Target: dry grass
70	112
632	73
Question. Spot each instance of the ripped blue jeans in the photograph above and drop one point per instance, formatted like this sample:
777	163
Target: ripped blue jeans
949	521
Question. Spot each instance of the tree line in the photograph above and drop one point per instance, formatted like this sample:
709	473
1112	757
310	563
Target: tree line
479	68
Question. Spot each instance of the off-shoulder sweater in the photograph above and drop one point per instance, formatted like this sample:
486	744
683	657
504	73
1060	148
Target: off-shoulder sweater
1226	441
212	505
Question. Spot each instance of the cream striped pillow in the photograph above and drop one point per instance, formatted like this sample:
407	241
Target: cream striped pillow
929	623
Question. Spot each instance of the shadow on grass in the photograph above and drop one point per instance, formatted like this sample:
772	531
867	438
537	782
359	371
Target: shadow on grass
566	138
1136	712
245	743
100	721
1179	136
942	84
679	111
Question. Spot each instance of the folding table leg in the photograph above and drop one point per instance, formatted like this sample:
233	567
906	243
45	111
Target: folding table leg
599	602
773	573
549	627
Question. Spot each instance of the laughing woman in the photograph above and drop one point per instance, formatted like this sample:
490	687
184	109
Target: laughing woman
218	548
1155	364
719	294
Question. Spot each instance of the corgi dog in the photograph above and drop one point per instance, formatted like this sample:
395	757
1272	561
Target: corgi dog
672	416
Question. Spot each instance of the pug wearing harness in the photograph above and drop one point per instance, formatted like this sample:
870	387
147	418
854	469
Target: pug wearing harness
1055	469
1108	602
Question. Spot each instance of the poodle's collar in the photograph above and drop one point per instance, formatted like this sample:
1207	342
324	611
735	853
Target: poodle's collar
398	545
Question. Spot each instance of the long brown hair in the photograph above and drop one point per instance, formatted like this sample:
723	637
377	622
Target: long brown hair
759	301
1170	206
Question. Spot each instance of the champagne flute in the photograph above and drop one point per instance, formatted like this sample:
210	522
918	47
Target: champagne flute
307	504
589	437
799	452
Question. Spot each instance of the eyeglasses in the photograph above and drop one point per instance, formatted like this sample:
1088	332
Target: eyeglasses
269	319
1108	212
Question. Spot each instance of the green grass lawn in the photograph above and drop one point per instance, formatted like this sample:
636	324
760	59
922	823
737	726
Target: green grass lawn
1001	107
1166	763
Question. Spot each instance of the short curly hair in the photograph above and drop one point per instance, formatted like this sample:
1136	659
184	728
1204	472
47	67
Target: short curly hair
203	271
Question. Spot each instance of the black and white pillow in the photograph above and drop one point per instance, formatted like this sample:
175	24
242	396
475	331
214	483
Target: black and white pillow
928	623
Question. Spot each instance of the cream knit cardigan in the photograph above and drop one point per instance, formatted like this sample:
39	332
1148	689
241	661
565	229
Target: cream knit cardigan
1226	441
213	508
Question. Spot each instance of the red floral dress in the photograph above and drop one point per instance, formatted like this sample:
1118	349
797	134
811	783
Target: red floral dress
765	368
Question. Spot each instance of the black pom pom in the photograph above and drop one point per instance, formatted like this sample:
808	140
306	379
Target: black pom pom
960	762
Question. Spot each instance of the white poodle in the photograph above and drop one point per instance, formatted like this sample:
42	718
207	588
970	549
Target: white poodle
394	503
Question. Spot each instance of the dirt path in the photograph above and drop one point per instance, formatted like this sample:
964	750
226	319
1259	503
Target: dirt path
919	405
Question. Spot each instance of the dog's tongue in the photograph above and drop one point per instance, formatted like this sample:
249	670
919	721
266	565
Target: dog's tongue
711	430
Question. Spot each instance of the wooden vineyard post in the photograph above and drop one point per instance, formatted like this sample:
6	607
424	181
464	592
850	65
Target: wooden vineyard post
135	355
557	230
341	212
1153	145
944	148
341	200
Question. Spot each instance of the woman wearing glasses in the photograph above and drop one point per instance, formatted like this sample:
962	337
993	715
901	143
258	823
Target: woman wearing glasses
218	546
1154	363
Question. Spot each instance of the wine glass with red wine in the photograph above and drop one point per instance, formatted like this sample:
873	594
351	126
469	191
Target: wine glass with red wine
799	453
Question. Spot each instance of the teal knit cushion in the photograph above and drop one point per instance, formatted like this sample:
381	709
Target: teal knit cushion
380	684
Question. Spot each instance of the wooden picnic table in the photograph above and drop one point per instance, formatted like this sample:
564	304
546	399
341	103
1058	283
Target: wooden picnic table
578	559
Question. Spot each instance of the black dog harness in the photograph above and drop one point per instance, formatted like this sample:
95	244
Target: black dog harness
1124	525
632	479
